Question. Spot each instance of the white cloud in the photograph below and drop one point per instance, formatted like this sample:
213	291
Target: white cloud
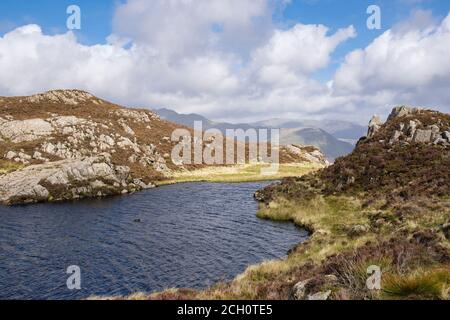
184	54
305	48
229	61
181	28
407	64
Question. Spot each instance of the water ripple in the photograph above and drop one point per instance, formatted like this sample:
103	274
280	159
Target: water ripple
189	235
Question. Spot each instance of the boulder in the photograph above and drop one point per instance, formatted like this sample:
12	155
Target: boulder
309	153
299	290
423	136
357	230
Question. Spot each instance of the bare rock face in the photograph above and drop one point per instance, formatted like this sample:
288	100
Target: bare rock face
374	125
67	179
25	130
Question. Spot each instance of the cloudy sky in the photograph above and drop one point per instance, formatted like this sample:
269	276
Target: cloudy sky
233	60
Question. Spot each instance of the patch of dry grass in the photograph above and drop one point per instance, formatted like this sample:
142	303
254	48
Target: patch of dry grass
240	173
429	284
9	166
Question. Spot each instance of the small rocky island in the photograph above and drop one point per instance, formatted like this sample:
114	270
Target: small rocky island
68	144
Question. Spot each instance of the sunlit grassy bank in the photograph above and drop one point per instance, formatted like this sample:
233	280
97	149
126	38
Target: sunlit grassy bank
240	173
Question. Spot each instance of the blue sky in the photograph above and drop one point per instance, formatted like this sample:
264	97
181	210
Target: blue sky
177	70
51	16
98	14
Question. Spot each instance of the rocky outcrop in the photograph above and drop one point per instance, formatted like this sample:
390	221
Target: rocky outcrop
374	125
67	97
68	179
68	144
407	157
25	130
410	129
403	111
310	154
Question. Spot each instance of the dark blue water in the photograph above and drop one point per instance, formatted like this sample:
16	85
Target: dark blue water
189	235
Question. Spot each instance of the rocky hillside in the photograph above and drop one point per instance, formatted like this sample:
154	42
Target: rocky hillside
406	157
69	144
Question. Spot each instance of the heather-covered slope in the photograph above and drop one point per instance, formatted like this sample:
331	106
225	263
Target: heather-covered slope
407	157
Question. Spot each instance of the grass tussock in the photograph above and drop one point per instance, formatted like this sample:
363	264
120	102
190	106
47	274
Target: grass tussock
432	284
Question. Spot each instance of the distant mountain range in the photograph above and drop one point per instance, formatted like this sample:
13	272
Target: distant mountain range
328	144
334	137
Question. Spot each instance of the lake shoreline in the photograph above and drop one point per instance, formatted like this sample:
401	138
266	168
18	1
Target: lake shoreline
177	235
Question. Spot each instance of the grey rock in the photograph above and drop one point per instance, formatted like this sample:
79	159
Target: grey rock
299	290
11	155
331	278
315	156
446	136
358	230
403	111
320	296
423	136
434	129
395	138
29	184
374	125
25	130
411	129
